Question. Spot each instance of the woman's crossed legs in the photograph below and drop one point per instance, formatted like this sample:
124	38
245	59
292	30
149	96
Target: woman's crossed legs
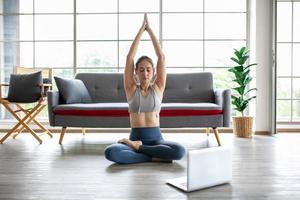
128	152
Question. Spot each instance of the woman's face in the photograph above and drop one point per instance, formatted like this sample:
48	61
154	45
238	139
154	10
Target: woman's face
145	71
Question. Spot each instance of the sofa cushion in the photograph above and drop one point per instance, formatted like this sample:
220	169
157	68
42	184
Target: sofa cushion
189	109
121	109
72	90
25	88
93	109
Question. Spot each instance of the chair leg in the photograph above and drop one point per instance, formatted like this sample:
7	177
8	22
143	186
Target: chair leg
63	131
216	132
43	128
32	118
9	133
12	130
83	131
35	111
207	130
33	133
21	122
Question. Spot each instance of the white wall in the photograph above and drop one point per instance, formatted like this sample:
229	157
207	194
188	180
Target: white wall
264	59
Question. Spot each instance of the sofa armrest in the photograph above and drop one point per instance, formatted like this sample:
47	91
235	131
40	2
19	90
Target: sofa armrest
53	100
223	98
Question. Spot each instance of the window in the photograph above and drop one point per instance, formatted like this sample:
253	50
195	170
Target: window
95	35
288	61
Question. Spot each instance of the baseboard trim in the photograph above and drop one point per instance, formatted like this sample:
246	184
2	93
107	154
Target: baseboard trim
289	130
262	133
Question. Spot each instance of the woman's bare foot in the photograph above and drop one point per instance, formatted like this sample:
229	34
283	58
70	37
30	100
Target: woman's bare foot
122	141
133	144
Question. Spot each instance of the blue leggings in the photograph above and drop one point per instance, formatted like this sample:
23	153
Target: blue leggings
154	146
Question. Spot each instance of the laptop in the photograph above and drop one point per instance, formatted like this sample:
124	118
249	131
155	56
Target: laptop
205	168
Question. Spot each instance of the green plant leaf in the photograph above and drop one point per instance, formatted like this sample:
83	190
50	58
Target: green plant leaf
233	97
250	90
244	106
242	50
235	60
246	52
247	80
243	60
231	70
250	65
240	90
253	97
239	68
246	72
239	81
238	74
238	54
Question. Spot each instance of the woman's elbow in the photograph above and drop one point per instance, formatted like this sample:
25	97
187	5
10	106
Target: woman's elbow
161	56
130	55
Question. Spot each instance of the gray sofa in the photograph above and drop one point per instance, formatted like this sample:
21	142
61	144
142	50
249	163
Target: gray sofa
189	101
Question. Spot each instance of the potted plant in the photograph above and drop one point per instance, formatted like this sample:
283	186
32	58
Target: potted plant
242	125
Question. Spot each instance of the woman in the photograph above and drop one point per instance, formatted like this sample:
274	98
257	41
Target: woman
144	93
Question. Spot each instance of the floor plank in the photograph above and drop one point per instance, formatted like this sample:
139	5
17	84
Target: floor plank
264	167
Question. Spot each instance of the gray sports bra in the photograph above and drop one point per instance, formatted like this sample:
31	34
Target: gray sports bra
140	103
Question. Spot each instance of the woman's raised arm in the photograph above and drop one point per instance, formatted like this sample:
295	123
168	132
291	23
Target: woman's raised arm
129	82
161	66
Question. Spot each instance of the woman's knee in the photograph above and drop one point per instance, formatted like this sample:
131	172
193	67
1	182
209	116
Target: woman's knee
179	151
112	153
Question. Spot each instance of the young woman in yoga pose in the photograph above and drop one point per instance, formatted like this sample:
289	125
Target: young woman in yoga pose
144	92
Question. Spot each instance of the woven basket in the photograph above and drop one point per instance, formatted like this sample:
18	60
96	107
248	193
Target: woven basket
242	126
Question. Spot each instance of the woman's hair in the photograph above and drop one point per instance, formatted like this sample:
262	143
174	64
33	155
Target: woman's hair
143	58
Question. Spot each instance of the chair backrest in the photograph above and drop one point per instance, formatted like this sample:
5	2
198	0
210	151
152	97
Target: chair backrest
46	75
46	72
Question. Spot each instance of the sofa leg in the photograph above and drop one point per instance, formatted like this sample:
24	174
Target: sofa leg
207	131
63	131
216	132
83	131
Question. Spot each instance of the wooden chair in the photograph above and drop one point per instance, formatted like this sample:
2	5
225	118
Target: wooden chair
29	113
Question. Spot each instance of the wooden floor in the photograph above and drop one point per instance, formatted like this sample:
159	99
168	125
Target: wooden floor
264	167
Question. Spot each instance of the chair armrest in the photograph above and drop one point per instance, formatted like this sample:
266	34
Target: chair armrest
2	85
47	84
53	100
45	87
223	98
